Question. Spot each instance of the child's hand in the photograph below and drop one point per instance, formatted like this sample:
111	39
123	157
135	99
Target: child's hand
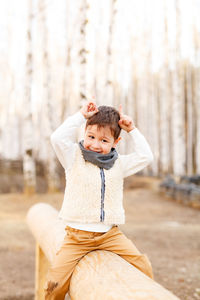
89	109
125	121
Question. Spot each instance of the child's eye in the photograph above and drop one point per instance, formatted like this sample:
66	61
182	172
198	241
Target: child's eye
91	136
104	141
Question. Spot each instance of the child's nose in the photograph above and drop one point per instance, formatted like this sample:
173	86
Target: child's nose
96	144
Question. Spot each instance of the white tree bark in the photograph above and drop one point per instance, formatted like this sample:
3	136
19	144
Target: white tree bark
178	107
190	120
28	158
197	107
154	127
83	51
178	124
196	102
110	66
67	82
164	104
66	85
49	109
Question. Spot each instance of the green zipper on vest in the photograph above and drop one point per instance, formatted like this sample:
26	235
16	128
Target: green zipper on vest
102	213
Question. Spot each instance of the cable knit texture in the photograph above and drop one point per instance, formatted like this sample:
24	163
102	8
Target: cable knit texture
82	201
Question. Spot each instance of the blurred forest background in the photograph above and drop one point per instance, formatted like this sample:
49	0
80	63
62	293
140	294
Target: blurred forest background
54	55
145	54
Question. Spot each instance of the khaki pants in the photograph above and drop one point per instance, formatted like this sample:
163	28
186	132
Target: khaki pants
78	243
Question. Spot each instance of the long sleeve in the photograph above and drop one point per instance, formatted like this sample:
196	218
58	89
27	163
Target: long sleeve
140	158
64	141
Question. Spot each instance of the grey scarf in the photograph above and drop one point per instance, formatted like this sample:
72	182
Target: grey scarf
105	161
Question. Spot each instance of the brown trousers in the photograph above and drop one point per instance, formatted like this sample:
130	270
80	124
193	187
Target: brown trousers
78	243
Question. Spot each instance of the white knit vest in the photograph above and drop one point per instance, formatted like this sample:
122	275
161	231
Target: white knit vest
82	199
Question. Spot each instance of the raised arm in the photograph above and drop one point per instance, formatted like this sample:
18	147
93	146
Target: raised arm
64	138
142	155
64	141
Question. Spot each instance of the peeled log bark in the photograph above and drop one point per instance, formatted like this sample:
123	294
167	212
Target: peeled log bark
48	231
98	275
105	275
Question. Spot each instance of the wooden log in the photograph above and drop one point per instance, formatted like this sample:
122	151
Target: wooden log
48	231
41	269
105	275
98	275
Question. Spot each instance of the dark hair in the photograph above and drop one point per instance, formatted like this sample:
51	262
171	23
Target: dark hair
106	116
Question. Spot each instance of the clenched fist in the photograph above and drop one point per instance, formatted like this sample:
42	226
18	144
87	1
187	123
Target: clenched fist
89	109
125	121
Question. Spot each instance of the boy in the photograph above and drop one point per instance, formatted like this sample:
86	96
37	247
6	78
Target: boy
92	206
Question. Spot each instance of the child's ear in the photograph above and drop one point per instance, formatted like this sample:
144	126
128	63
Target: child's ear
117	141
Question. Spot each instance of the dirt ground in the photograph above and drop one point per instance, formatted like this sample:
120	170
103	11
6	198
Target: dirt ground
168	232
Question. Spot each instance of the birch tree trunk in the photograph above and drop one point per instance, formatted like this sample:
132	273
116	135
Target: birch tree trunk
67	76
197	109
154	137
147	81
29	169
164	104
134	79
196	78
83	51
49	110
143	83
190	120
178	106
98	83
109	68
153	130
66	85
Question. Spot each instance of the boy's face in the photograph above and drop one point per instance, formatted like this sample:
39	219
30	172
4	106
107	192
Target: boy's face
99	140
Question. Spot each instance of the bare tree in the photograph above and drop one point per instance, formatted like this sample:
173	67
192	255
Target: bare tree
109	64
196	102
178	105
67	76
50	111
28	158
189	118
164	101
83	51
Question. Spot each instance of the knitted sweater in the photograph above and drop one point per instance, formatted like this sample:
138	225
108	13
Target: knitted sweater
86	201
85	206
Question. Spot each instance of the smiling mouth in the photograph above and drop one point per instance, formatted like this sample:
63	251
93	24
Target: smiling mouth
95	151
